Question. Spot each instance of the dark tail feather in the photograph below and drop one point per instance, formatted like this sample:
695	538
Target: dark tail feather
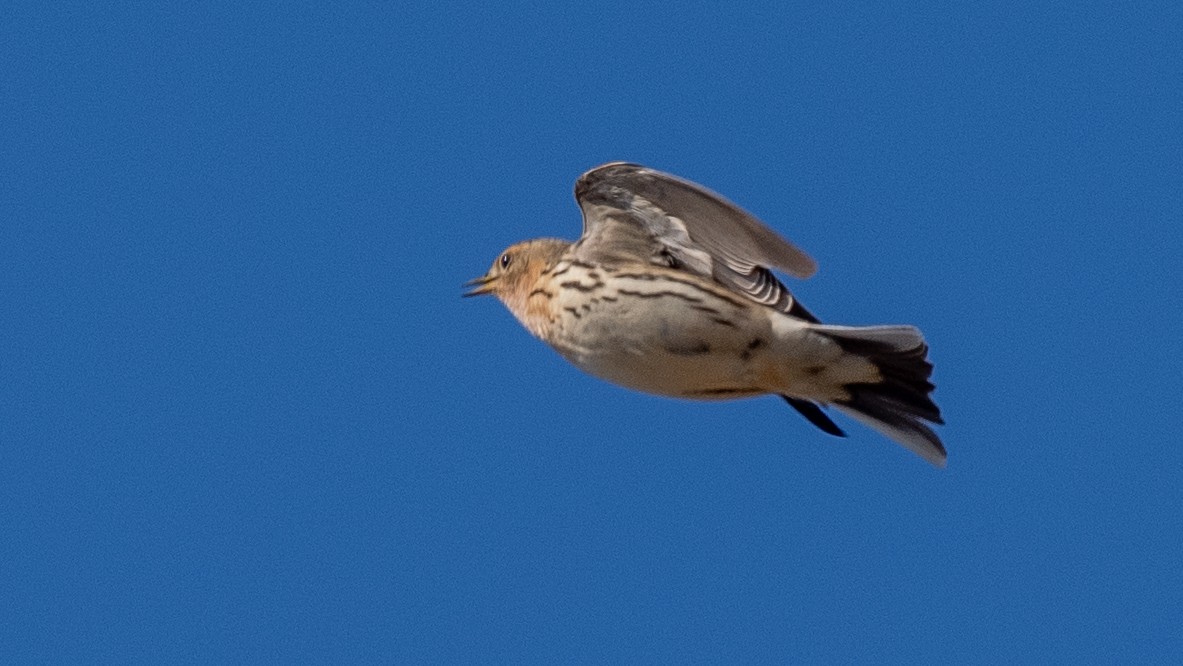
815	415
901	402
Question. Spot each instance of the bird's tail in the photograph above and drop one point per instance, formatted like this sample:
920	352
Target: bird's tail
900	403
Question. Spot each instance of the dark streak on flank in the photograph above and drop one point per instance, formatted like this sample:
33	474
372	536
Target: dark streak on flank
724	322
659	294
579	286
540	292
697	349
755	344
575	312
700	285
648	277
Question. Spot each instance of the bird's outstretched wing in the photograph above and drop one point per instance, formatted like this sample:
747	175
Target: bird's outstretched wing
635	214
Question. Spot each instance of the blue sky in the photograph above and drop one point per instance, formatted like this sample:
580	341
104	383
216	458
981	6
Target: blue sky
245	416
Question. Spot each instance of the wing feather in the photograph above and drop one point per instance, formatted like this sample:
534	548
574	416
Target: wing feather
633	213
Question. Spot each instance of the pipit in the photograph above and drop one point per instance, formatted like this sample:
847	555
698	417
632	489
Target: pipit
670	291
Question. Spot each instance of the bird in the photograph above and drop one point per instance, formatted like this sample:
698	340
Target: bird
670	291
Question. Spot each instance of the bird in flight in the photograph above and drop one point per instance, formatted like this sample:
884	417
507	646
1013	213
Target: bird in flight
670	291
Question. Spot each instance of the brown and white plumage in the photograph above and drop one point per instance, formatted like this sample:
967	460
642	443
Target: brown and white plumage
670	291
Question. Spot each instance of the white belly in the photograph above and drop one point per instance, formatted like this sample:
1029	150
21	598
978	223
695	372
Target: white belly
691	345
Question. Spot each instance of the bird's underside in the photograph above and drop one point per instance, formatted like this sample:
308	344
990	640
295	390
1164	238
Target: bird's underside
670	290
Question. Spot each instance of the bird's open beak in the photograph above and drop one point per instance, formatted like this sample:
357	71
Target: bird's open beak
481	285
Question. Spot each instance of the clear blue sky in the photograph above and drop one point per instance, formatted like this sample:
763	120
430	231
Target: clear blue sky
246	417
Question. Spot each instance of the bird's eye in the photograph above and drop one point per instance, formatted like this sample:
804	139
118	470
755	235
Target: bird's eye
505	259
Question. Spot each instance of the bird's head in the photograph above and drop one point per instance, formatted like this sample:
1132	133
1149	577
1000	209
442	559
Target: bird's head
515	272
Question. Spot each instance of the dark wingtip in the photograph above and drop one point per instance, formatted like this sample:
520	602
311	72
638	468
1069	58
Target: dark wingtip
815	415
